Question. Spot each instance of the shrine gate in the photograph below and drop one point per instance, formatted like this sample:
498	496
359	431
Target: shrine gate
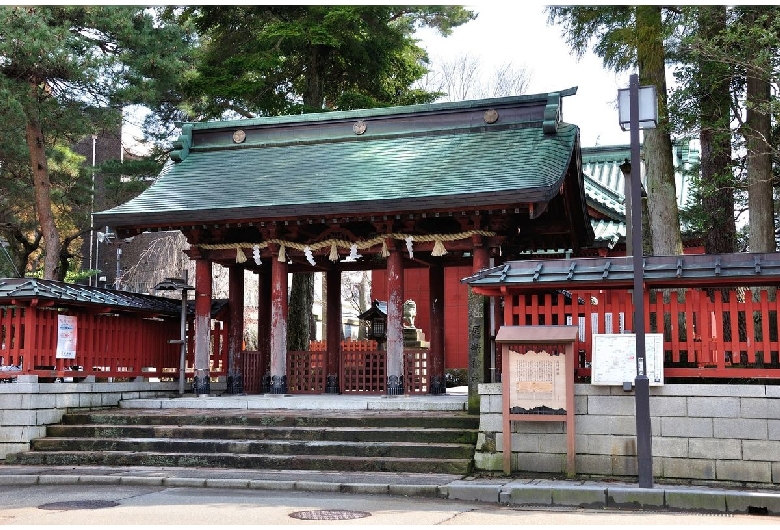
467	184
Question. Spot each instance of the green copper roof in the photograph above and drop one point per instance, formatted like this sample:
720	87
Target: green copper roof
605	183
613	272
67	294
453	156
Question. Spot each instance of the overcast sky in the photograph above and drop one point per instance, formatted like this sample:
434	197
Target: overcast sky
518	32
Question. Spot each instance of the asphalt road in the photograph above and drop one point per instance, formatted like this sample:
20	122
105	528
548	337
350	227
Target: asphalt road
139	505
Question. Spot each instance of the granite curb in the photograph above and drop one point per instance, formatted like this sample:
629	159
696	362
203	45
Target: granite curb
505	491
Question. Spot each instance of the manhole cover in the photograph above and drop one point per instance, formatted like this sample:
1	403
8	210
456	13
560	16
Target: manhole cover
328	515
78	505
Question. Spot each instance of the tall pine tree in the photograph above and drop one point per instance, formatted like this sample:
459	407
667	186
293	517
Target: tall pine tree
66	70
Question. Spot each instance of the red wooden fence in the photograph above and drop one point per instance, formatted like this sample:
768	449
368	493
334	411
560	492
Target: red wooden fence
108	345
306	372
723	333
362	369
714	333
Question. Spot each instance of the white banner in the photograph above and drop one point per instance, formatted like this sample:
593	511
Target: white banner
66	337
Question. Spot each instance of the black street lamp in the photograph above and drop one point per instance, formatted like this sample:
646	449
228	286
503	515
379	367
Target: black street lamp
4	245
177	284
638	109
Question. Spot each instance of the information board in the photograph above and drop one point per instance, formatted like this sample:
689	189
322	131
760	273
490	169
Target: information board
537	381
614	359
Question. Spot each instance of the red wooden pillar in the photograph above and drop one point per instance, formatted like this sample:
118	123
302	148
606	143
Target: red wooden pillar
30	342
333	329
235	378
481	259
438	384
264	327
395	327
201	382
278	326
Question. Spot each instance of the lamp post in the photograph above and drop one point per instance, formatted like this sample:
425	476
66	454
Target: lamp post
4	245
638	109
176	284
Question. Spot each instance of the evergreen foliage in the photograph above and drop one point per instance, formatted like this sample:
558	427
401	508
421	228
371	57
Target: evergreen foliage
717	54
65	72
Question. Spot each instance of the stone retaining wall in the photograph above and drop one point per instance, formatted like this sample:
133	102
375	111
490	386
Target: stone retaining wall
720	433
27	407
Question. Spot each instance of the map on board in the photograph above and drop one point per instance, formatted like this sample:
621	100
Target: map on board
614	359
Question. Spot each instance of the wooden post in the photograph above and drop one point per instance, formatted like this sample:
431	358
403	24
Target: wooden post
477	315
264	327
438	384
30	337
235	379
395	314
201	381
333	329
278	326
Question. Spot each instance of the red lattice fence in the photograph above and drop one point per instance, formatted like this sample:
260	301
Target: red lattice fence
715	333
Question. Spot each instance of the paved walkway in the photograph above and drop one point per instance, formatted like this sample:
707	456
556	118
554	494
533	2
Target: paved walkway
495	489
503	490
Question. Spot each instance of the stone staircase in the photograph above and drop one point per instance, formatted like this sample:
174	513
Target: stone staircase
371	441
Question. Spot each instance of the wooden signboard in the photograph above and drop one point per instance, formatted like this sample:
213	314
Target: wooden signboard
537	380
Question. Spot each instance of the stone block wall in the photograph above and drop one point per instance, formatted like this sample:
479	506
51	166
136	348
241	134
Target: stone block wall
27	407
702	433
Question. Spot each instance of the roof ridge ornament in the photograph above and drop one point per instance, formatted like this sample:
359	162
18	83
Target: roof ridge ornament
490	116
359	127
181	146
552	113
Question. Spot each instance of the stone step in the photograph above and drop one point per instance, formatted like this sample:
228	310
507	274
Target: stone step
303	418
242	461
352	434
383	441
263	447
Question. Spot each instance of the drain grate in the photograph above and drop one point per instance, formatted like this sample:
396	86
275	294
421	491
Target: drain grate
328	515
78	505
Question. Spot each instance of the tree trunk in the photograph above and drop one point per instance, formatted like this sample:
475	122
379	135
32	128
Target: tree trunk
759	165
324	311
42	186
720	231
662	197
364	290
302	290
314	92
299	312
